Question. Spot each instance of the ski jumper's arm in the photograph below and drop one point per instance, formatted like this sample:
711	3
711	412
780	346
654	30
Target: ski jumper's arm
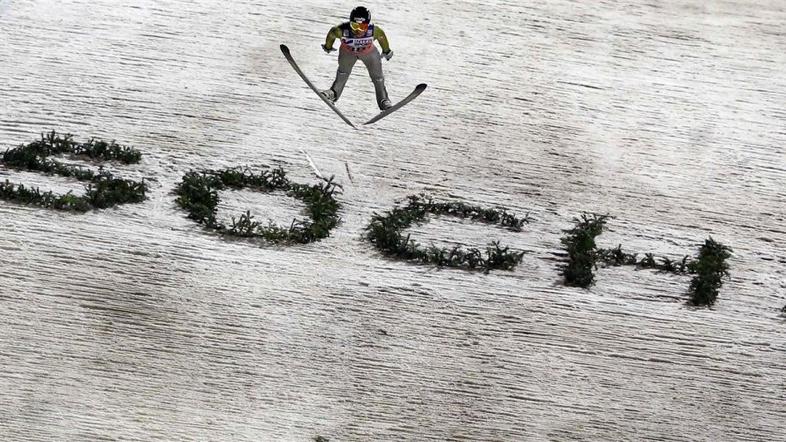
379	35
332	35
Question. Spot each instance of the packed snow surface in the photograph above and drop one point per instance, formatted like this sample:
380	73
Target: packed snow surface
136	324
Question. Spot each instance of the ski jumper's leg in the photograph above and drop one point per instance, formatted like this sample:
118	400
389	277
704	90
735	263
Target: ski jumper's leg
346	60
373	62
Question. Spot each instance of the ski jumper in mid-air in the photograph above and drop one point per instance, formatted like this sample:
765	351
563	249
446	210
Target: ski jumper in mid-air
357	43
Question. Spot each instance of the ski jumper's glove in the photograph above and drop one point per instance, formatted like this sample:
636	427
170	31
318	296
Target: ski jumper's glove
327	49
387	54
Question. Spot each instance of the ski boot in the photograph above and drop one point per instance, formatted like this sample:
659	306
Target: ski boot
385	104
330	95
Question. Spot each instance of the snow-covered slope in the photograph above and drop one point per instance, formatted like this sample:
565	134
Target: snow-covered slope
135	324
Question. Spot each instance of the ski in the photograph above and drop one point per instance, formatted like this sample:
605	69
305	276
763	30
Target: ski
418	90
288	55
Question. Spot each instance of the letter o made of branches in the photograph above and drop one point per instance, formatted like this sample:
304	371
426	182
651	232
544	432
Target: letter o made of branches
197	193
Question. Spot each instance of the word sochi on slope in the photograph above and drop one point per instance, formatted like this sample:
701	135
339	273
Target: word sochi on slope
198	195
709	267
102	191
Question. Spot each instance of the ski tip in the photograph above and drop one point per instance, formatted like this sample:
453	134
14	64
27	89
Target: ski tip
284	49
419	87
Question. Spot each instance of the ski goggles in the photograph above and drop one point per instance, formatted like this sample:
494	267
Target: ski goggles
358	27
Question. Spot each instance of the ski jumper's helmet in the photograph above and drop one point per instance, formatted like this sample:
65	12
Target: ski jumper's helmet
359	19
